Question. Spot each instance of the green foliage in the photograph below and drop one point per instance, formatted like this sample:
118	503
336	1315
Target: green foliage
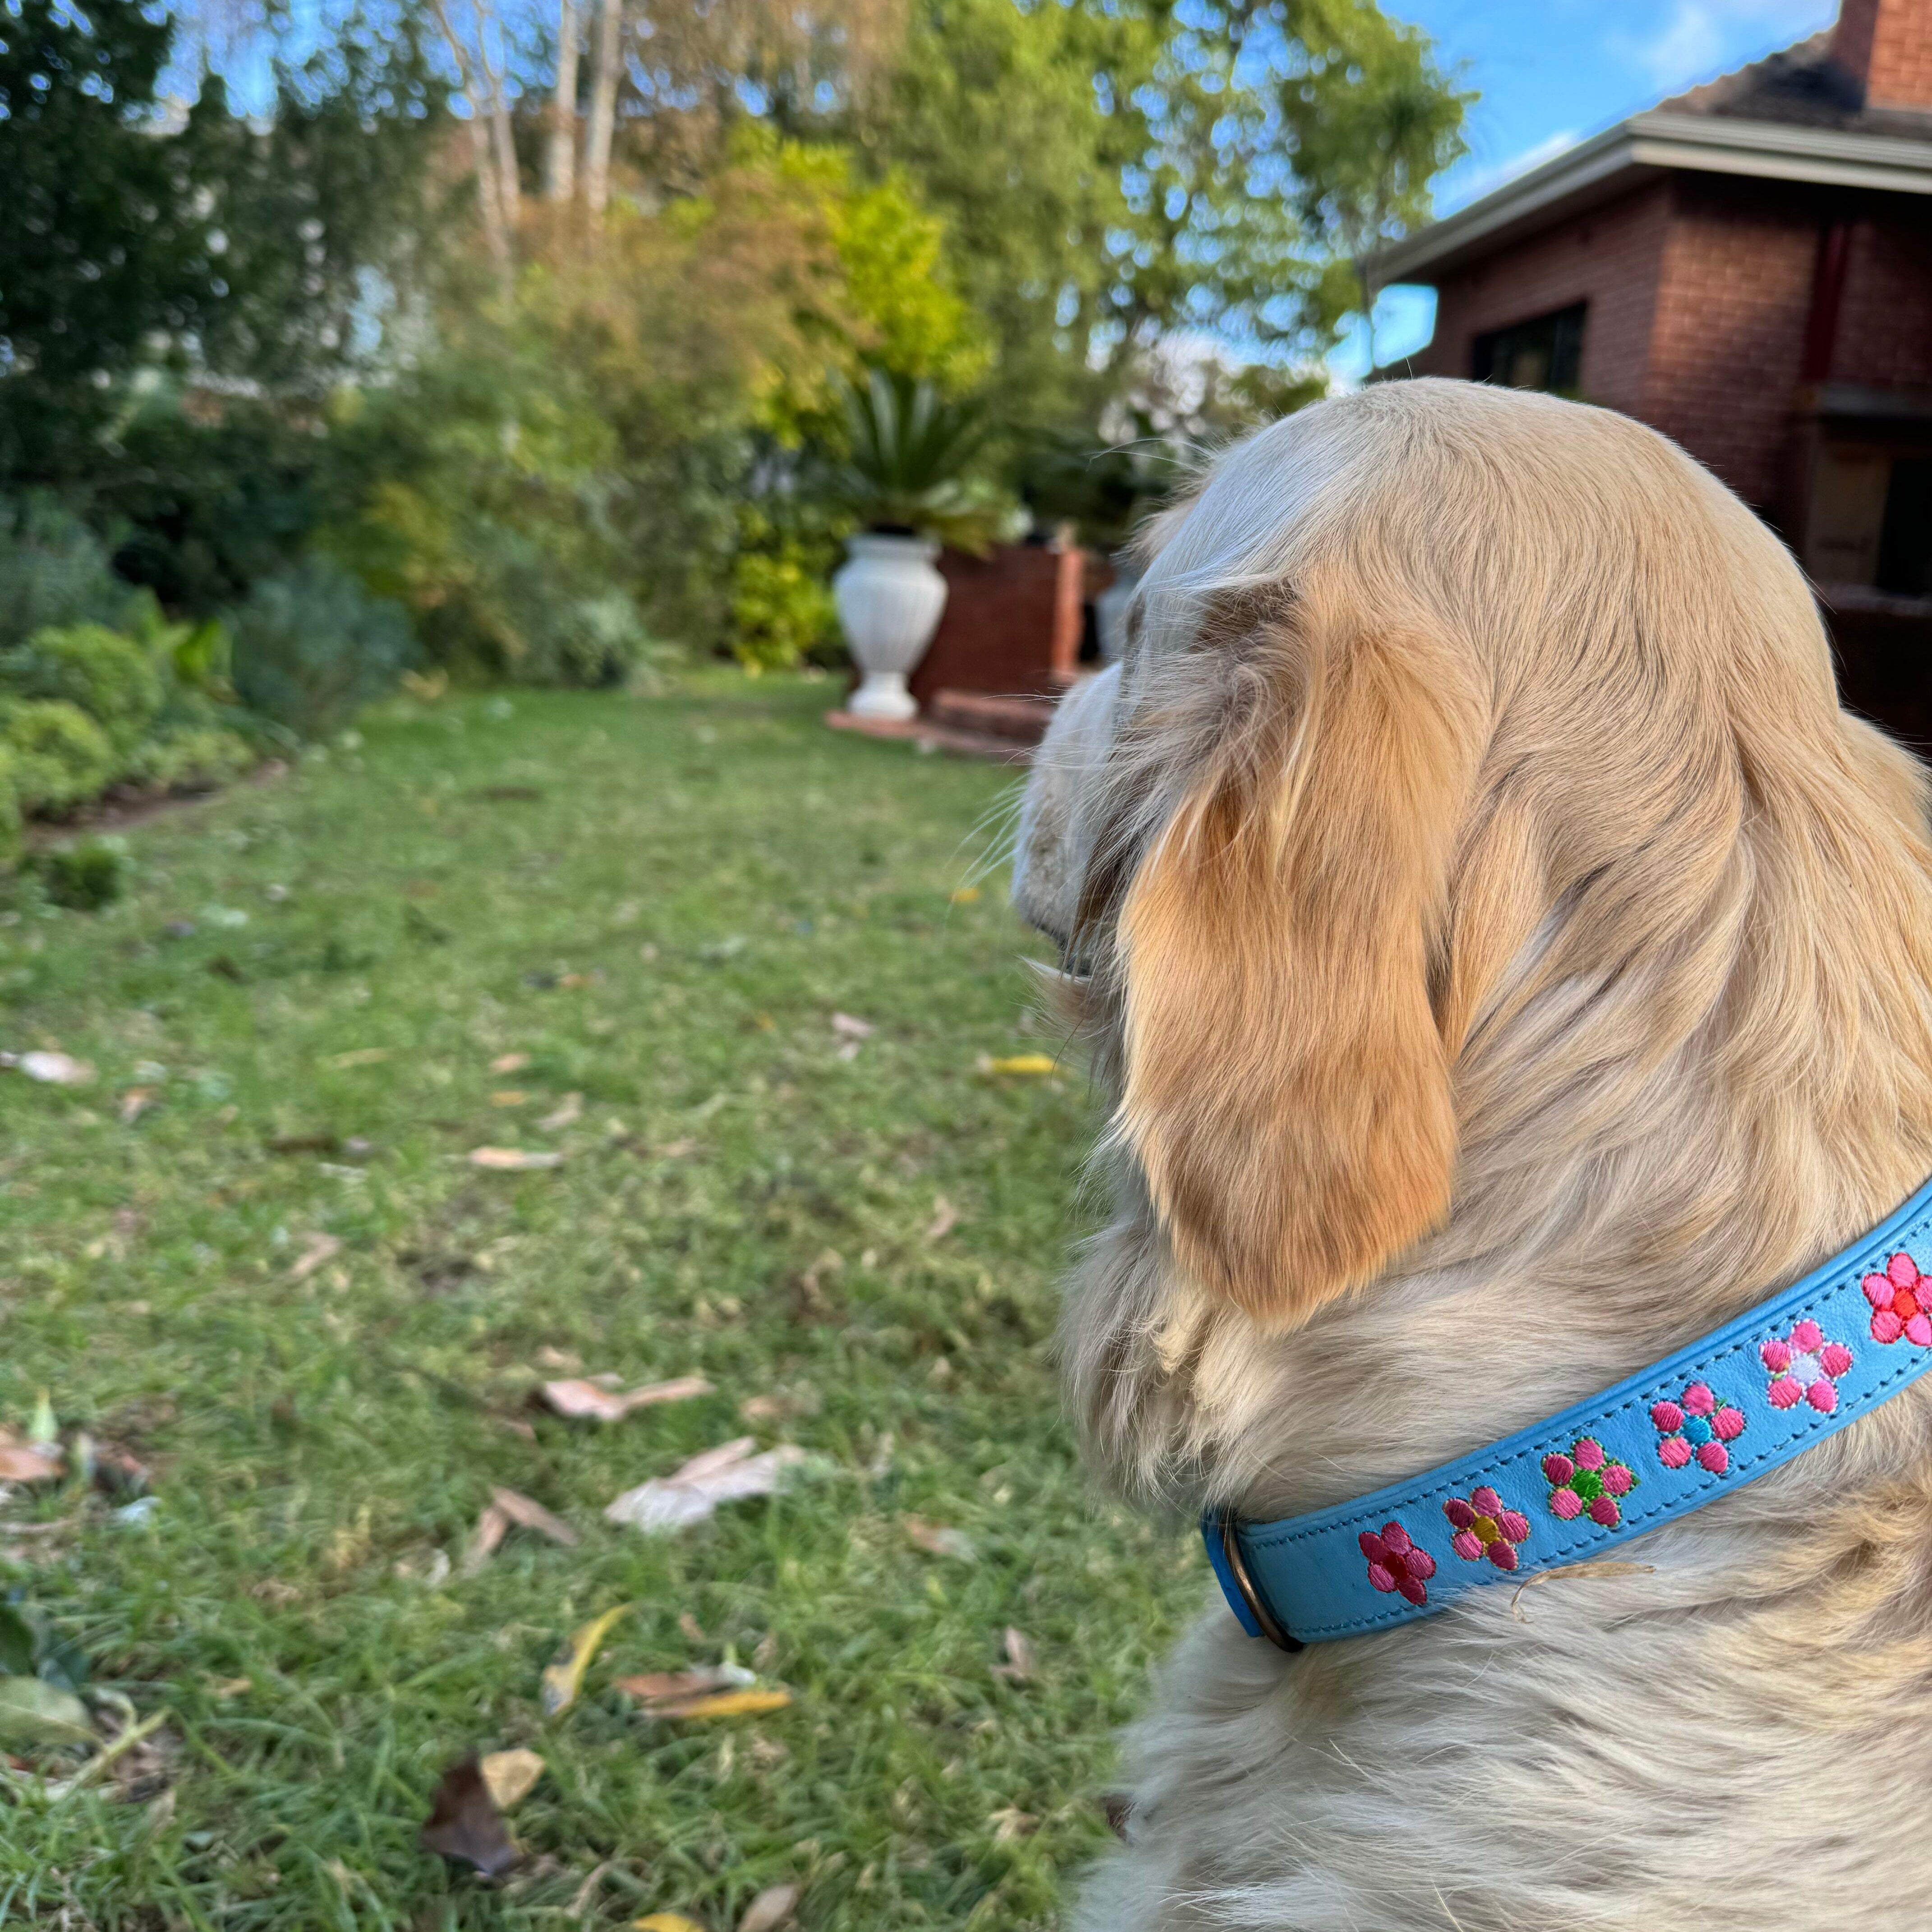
83	877
194	757
10	807
909	461
53	571
61	758
781	607
108	677
312	647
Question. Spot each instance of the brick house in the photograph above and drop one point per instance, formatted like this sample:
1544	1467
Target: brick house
1748	268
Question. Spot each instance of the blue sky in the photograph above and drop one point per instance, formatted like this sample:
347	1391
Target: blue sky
1551	71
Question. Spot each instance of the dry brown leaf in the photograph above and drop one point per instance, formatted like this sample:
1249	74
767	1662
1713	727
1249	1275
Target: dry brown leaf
464	1823
945	1218
509	1063
692	1492
361	1056
320	1249
769	1910
658	1687
510	1776
561	1359
568	1112
134	1103
693	1630
852	1028
509	1097
29	1462
492	1526
677	1149
521	1510
582	1399
1021	1666
937	1540
512	1160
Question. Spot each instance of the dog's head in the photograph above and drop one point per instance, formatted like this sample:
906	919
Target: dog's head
1410	838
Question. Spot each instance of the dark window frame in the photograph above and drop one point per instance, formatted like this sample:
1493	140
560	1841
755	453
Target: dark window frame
1498	355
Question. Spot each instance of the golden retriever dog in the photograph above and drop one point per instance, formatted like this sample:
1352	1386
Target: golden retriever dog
1506	963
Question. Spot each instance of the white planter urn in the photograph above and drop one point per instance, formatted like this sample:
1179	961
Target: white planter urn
889	599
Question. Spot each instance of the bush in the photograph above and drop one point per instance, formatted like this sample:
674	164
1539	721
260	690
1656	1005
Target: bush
780	609
107	676
196	758
53	571
10	809
311	647
85	876
62	758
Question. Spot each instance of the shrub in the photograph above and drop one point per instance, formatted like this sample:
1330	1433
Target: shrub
85	876
53	571
10	809
196	758
62	758
312	647
780	610
108	677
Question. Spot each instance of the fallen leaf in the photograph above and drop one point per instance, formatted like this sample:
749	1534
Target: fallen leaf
321	1248
509	1063
849	1051
691	1492
666	1922
465	1825
693	1630
1021	1665
51	1069
548	1357
563	1678
937	1540
580	1399
724	1704
492	1526
965	896
134	1103
361	1056
509	1776
1009	1822
513	1160
1022	1062
34	1712
529	1515
769	1910
510	1096
853	1028
659	1687
229	1687
677	1149
945	1218
28	1461
568	1114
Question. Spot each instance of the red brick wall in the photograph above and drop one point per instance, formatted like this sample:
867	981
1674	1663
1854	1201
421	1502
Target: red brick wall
1609	258
1888	43
1733	299
1011	626
1885	324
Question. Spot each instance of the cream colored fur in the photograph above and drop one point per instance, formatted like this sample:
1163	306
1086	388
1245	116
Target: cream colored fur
1671	909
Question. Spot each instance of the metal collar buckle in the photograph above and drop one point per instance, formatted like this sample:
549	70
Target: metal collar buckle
1231	1548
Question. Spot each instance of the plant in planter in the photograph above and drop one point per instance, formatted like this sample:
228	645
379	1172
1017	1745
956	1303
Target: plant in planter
907	478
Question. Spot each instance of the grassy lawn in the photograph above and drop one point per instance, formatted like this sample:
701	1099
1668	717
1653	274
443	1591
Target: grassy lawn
661	901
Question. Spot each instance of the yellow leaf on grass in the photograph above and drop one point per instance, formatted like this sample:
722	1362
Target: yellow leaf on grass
1024	1063
509	1776
563	1679
725	1704
966	895
666	1922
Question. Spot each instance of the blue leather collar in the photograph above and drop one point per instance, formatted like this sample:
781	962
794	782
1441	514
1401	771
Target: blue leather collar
1703	1421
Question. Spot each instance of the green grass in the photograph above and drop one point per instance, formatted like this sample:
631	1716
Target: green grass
724	874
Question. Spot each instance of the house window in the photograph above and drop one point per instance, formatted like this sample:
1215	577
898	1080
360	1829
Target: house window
1546	353
1905	538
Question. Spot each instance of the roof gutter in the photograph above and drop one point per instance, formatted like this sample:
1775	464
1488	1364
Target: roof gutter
1644	148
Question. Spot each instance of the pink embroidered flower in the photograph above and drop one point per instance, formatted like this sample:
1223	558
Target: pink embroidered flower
1395	1564
1483	1527
1900	1299
1805	1367
1587	1482
1699	1426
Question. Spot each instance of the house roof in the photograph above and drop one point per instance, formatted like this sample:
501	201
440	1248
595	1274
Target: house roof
1795	116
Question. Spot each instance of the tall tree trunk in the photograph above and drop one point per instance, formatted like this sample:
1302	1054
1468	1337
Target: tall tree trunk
489	180
597	137
560	153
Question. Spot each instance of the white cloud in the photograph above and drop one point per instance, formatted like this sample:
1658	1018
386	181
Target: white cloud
1701	39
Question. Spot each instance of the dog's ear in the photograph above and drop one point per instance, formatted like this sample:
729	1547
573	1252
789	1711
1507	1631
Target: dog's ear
1286	1083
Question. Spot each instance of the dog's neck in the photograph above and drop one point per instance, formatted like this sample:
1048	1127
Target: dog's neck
1768	1097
